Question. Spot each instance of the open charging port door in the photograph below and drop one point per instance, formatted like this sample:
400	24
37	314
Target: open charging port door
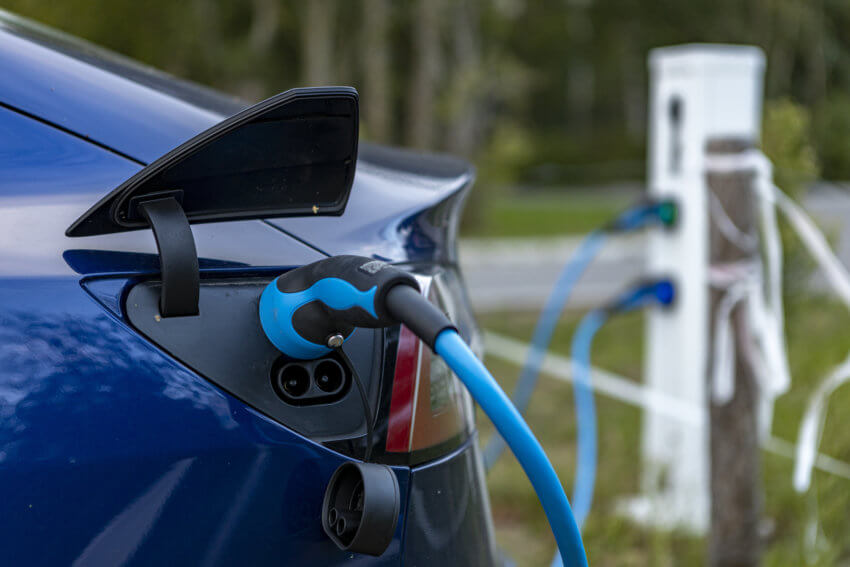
291	155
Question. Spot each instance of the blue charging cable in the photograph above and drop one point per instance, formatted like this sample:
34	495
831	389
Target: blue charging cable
310	307
543	331
586	441
634	218
528	451
657	292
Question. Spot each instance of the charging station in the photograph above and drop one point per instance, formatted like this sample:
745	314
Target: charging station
698	93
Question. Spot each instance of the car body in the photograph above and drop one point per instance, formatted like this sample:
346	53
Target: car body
116	450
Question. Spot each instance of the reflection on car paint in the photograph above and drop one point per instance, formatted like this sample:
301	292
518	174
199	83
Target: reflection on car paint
97	430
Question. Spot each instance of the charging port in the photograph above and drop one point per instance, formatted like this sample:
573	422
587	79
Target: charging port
329	376
310	382
294	379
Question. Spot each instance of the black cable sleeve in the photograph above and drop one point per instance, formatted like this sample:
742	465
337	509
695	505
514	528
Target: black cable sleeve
407	305
367	407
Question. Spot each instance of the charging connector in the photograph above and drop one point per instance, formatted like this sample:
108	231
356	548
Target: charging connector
649	212
302	310
651	292
664	212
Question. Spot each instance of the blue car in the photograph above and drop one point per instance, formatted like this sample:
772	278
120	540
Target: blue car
145	418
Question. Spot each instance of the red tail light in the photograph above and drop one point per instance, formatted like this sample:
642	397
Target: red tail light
429	407
404	392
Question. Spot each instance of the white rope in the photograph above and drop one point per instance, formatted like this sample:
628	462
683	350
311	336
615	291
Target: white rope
607	383
811	427
769	312
817	245
768	316
727	274
723	369
765	348
772	241
812	424
743	240
628	391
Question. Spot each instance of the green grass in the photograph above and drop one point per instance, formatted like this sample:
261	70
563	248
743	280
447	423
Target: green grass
817	341
544	214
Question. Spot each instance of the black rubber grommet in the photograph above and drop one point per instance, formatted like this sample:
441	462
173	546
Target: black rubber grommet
361	507
408	305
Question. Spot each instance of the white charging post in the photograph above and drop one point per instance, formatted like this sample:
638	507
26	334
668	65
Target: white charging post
698	93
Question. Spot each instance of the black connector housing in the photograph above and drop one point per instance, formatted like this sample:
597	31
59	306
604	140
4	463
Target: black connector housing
361	507
407	305
315	321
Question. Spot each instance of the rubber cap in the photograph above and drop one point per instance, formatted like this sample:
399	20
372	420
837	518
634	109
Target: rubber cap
361	507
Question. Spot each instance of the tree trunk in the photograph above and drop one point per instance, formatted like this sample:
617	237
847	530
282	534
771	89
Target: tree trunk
426	70
317	43
466	89
581	74
265	18
376	98
736	497
634	88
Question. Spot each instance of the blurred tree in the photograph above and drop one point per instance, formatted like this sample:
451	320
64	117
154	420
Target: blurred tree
264	24
376	81
832	127
787	141
317	34
466	88
568	77
426	64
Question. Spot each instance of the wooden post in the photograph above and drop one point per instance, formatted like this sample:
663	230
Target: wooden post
736	494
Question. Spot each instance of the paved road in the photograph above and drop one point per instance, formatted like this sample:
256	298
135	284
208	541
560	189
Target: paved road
518	274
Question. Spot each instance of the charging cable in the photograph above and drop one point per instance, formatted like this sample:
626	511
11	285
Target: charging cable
364	400
313	309
637	217
659	292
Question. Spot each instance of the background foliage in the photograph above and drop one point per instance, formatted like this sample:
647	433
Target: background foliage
543	93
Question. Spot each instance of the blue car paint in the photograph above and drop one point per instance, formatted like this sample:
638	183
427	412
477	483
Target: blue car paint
105	441
40	161
395	214
108	109
110	450
447	506
398	209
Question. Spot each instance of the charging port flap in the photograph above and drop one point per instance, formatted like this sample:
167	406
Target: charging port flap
291	155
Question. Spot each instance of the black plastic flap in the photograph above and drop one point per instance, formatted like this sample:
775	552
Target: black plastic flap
291	155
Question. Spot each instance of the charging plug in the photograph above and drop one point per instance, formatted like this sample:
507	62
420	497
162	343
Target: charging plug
660	291
311	310
664	212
